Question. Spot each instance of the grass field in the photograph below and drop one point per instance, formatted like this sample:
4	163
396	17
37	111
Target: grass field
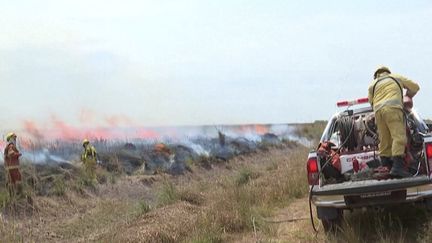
260	197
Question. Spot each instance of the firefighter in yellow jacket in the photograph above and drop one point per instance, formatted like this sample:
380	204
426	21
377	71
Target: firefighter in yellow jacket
89	158
386	97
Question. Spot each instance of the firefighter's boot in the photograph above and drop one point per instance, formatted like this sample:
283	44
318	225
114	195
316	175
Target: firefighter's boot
386	162
398	168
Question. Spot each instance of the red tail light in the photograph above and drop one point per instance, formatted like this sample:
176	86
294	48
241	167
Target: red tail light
428	148
429	151
312	171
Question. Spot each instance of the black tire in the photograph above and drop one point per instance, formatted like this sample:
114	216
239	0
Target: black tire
428	204
331	218
332	225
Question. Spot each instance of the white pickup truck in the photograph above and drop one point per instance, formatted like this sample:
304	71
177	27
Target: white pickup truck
350	175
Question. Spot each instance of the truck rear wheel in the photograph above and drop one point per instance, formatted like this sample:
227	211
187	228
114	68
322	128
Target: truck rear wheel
428	204
331	218
331	225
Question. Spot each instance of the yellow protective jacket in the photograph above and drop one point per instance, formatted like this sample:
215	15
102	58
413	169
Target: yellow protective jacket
389	91
89	154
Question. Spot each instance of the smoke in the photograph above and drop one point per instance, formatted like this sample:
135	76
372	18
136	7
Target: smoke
42	156
122	128
87	116
118	120
58	141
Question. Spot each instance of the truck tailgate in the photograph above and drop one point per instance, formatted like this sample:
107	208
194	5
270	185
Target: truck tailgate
369	186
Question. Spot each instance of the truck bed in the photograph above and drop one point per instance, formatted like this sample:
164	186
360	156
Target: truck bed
369	186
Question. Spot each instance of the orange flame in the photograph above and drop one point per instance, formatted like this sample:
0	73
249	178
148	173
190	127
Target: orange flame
66	131
147	134
261	129
31	128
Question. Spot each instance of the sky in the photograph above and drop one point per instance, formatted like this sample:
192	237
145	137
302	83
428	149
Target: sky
193	62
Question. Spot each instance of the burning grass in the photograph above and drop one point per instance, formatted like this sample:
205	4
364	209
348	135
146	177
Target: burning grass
220	201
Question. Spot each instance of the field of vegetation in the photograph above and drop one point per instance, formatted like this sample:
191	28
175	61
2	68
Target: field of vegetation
256	197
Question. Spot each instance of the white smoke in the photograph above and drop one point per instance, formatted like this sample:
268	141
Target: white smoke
42	156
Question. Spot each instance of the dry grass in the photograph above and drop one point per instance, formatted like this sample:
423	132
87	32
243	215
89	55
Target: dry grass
239	202
401	223
167	224
213	206
99	220
233	201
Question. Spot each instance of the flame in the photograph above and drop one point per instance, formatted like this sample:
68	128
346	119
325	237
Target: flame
147	134
31	128
65	131
261	129
98	133
2	145
117	126
256	129
28	144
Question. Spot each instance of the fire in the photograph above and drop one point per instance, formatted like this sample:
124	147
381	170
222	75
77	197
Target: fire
256	129
31	128
62	130
261	129
27	144
66	131
2	145
147	134
99	133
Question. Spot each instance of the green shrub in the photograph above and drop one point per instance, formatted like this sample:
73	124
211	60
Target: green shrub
4	198
59	186
143	207
245	175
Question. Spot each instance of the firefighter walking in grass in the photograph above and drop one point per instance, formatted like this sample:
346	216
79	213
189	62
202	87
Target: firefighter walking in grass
89	158
12	165
387	99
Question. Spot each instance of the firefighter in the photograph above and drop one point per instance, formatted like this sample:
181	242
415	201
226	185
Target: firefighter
12	165
386	97
89	158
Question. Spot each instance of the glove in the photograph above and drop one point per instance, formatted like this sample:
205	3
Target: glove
408	103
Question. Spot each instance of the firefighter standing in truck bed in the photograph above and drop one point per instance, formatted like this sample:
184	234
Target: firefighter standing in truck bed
386	97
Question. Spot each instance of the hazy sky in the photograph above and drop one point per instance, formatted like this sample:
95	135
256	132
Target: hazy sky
167	62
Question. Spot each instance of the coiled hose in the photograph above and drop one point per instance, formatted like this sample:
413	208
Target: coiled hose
345	125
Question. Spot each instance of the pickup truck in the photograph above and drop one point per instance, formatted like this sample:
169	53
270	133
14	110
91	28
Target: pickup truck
349	176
